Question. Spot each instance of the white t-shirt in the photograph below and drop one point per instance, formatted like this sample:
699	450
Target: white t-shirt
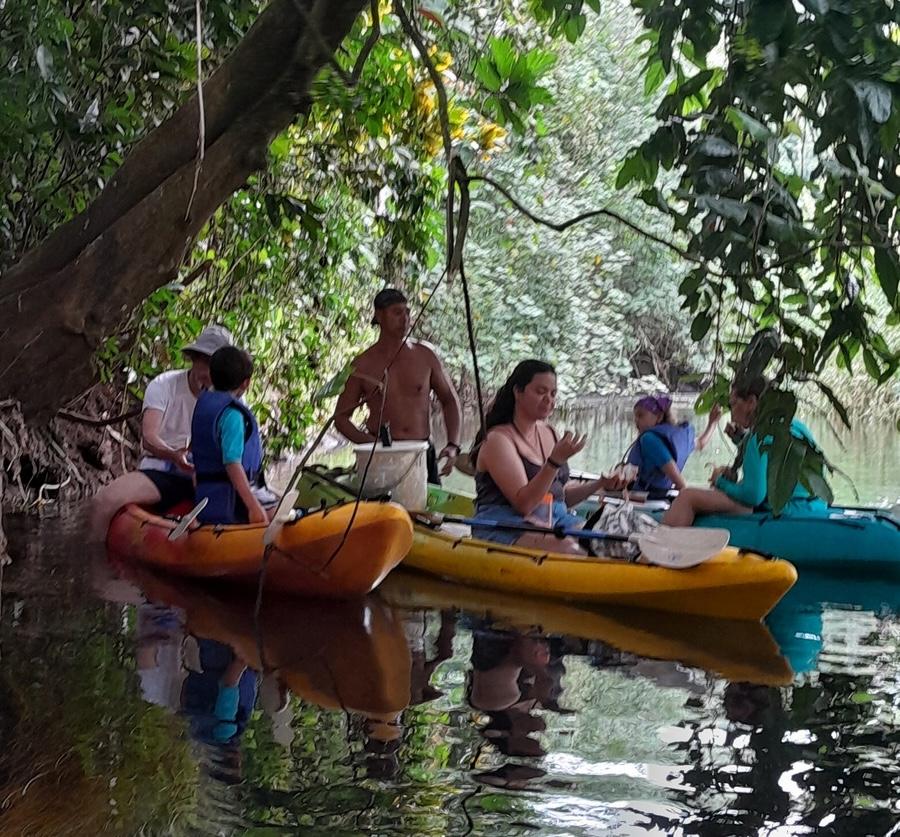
170	393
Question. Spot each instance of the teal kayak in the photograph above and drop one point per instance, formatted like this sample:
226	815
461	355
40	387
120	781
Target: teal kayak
829	538
837	536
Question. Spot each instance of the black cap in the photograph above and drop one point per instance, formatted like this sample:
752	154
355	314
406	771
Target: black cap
387	297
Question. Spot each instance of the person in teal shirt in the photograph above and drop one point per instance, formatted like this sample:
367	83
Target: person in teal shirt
226	444
728	494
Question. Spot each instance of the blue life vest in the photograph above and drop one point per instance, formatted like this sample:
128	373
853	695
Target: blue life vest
679	439
224	506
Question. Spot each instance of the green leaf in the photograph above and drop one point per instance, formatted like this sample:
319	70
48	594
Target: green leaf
812	472
871	364
716	147
334	386
540	61
726	207
654	77
839	408
690	283
632	168
786	455
887	266
486	73
876	97
504	56
745	122
700	326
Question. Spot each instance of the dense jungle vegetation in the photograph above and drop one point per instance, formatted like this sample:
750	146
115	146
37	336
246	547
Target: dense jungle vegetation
718	168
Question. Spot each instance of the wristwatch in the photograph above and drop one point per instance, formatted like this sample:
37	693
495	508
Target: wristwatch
453	445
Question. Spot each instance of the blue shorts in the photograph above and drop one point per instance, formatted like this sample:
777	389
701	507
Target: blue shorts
507	514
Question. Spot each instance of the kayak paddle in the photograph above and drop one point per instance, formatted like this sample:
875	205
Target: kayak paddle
666	546
284	512
187	520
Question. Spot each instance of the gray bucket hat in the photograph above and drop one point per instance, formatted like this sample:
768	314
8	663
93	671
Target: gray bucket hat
210	340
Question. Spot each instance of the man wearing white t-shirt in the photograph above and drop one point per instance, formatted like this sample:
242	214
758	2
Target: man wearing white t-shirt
164	477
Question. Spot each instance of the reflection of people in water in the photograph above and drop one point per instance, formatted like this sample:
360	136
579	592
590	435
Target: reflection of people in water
512	675
274	700
160	639
669	674
219	698
423	667
383	734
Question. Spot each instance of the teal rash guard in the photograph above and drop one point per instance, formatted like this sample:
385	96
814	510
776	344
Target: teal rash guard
752	488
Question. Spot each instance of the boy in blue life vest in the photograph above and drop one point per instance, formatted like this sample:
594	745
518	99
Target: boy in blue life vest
225	443
663	446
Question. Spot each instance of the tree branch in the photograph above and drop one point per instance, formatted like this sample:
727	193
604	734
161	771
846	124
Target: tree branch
91	421
325	50
369	45
436	80
561	226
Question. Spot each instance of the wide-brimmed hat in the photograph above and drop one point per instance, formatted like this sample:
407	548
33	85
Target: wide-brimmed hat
211	339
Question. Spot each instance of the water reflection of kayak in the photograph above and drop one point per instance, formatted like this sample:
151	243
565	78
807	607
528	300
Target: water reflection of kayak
796	623
734	649
338	654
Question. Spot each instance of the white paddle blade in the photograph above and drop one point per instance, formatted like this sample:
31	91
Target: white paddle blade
679	547
283	514
187	520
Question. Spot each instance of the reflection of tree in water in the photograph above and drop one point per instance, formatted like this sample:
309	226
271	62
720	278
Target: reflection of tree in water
818	756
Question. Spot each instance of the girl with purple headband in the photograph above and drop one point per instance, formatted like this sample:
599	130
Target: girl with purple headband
663	446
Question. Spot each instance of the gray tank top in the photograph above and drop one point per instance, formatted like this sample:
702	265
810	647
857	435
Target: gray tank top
488	493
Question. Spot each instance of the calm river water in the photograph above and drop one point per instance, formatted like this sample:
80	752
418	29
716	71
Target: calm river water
132	705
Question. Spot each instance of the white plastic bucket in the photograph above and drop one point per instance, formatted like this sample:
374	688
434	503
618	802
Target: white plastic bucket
399	469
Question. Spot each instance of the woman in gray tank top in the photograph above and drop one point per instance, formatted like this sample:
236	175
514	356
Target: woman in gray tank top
522	459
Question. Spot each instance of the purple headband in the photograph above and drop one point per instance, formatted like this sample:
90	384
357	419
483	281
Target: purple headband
658	404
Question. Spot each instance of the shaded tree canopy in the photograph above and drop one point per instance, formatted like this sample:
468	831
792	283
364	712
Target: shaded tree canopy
770	165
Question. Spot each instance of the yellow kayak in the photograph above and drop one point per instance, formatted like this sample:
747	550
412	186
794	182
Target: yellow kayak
738	650
731	585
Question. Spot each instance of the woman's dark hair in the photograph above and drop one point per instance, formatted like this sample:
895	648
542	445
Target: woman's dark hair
503	407
750	386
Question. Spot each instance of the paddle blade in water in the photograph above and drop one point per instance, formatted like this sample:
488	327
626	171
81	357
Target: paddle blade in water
680	547
187	520
282	515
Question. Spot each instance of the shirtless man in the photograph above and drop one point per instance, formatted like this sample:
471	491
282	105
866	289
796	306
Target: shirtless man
415	372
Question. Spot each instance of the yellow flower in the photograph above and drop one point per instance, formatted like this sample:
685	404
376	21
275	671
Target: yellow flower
443	61
490	135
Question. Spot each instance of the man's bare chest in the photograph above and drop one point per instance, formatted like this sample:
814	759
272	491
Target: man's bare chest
406	377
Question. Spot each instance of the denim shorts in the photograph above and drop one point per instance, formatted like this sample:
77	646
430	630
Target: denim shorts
507	514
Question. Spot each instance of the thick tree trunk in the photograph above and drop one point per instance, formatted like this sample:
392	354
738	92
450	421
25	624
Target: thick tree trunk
62	298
